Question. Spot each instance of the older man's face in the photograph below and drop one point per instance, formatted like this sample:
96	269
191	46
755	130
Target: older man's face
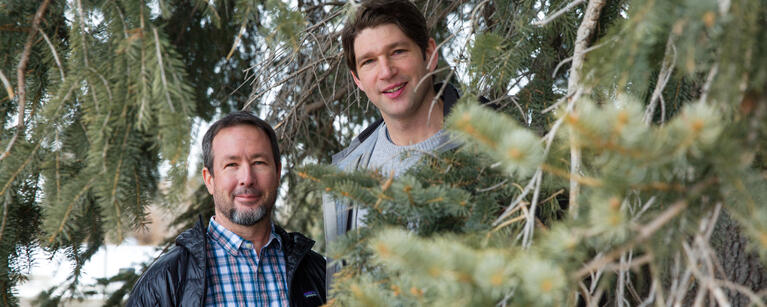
246	179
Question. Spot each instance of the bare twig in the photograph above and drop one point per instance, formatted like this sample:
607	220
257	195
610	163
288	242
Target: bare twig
651	295
82	28
8	87
557	13
592	48
520	197
585	31
239	36
620	287
527	238
646	231
493	187
709	80
706	281
280	82
667	67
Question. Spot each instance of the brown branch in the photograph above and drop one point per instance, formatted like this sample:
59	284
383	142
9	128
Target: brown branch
286	79
309	108
20	77
667	67
557	14
12	28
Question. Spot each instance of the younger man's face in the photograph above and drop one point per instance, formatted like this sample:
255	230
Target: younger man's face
389	67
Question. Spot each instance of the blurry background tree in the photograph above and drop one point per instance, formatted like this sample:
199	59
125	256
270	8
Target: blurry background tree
627	167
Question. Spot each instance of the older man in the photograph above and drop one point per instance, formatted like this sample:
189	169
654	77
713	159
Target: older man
241	258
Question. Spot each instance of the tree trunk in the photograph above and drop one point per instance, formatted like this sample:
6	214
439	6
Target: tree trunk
741	264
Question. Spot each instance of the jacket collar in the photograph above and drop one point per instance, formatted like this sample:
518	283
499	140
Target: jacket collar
194	241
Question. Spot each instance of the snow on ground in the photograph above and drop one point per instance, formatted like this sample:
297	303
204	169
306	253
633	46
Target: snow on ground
107	262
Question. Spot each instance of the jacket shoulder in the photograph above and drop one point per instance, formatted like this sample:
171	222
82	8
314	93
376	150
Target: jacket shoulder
160	279
315	259
345	159
176	277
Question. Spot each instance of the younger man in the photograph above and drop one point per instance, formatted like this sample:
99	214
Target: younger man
392	59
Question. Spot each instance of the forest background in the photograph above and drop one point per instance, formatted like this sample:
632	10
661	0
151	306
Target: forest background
624	166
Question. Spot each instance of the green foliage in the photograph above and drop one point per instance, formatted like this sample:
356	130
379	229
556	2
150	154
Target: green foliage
648	191
518	149
115	89
286	26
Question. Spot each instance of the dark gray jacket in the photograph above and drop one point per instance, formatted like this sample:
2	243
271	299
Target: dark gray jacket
177	278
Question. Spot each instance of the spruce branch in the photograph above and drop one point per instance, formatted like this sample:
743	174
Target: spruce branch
104	81
21	90
53	52
6	202
70	207
162	69
57	155
20	169
116	179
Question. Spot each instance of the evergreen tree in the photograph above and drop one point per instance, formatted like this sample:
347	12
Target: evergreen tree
626	165
658	145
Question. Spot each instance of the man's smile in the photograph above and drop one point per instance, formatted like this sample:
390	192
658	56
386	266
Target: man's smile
395	90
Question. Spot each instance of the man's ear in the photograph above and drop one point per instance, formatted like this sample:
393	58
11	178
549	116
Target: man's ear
356	80
207	178
432	56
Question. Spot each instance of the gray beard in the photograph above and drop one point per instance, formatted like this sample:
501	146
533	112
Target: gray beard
247	217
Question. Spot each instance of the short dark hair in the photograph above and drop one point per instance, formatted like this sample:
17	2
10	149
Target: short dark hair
401	13
236	119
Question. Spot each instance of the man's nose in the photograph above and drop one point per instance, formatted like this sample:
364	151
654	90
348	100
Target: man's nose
387	69
245	176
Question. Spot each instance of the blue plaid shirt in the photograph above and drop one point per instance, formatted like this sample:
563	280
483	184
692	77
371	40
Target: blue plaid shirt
237	277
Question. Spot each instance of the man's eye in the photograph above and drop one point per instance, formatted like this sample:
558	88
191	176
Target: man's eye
259	162
399	51
230	165
365	62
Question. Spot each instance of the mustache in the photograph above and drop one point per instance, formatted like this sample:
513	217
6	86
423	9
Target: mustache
247	190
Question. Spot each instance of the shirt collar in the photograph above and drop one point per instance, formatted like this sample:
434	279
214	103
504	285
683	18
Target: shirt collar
232	243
